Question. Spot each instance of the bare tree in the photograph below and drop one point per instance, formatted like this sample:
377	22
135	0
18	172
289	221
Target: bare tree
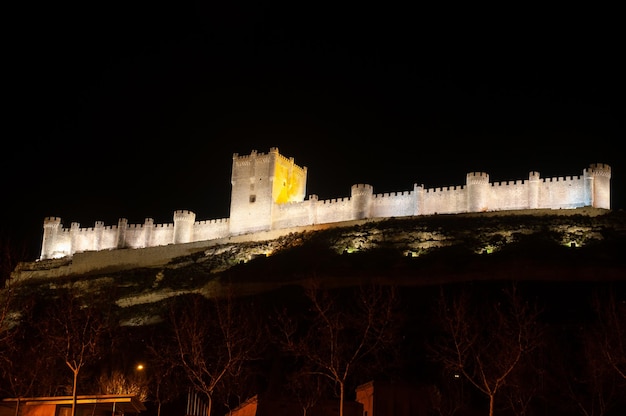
484	340
525	385
588	364
166	373
119	383
340	331
214	338
611	329
76	332
27	369
586	380
307	386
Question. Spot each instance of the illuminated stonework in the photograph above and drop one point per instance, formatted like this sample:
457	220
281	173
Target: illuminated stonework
268	193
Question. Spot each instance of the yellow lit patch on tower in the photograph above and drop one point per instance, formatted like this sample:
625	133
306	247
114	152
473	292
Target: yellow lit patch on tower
287	185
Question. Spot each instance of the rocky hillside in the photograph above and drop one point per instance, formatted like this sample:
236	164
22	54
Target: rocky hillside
573	245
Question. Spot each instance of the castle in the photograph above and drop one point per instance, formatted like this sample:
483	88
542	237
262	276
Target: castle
268	193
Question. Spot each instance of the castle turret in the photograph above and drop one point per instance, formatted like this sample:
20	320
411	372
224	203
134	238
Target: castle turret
74	233
598	186
51	228
477	192
148	227
183	226
418	193
98	232
313	209
361	200
122	225
533	190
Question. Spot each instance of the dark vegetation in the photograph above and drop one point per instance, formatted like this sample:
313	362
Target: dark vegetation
535	328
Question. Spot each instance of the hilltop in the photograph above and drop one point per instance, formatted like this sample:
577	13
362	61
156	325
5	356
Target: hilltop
583	245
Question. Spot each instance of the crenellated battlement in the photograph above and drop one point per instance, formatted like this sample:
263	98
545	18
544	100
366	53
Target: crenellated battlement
268	194
599	169
51	221
562	179
253	154
445	189
509	183
287	160
475	178
600	166
184	215
335	200
362	189
392	194
217	221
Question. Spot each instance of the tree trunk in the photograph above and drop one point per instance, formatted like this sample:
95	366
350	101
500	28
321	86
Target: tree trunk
74	393
341	394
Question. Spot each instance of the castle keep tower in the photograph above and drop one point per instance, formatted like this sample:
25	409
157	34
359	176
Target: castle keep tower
259	182
598	186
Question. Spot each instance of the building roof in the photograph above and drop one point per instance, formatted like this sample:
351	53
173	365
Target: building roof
110	402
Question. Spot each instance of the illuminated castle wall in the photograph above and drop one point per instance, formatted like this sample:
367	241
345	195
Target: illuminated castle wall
268	193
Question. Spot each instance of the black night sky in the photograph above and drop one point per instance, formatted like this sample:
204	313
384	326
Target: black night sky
134	109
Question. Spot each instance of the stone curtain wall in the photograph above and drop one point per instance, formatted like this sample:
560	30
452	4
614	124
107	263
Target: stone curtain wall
397	204
255	191
449	200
